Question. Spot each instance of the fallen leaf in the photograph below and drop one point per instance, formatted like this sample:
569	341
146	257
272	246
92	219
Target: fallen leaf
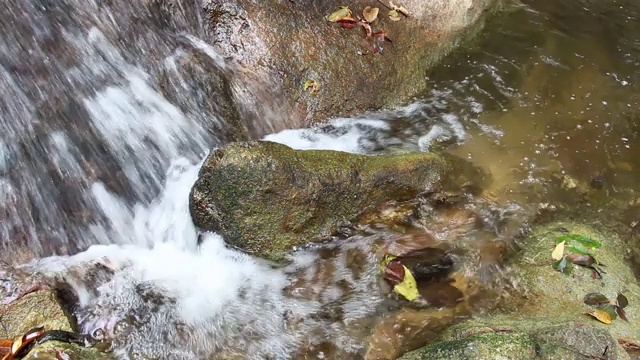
62	356
348	23
583	240
622	301
558	251
394	272
367	28
394	15
582	260
370	13
621	313
601	316
342	12
408	288
313	85
595	299
629	344
609	309
564	266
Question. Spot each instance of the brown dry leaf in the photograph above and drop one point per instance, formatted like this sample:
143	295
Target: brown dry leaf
341	13
558	251
347	23
370	13
601	316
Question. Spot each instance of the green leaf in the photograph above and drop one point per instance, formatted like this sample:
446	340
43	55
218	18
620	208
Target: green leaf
577	248
342	12
609	309
583	240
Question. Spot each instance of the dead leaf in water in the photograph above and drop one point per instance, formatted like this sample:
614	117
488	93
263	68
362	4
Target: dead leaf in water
621	313
601	316
394	272
341	13
370	13
558	251
394	15
408	288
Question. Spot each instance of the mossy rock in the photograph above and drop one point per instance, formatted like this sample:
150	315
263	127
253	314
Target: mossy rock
42	308
266	198
490	346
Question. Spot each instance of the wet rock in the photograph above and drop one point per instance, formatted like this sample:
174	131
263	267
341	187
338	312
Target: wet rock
43	308
506	346
544	310
266	198
291	41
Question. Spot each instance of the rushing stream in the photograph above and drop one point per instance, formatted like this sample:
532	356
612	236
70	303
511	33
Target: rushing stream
101	141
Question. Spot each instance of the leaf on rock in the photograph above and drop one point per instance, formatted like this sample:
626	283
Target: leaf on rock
394	272
312	86
341	13
609	309
622	301
583	240
370	13
601	316
564	266
621	313
582	260
595	299
558	252
394	15
408	288
347	23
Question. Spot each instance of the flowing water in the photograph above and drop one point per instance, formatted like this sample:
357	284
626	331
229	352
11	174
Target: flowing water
101	140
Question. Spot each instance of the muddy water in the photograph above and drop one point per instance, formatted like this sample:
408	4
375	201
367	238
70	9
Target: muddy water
549	102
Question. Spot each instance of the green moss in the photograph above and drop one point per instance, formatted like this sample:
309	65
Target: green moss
516	346
42	308
267	198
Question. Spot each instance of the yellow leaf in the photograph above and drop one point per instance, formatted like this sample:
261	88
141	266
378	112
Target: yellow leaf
601	316
394	16
408	288
341	13
558	251
313	85
370	13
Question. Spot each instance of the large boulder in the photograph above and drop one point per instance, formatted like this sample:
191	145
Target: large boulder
290	42
266	198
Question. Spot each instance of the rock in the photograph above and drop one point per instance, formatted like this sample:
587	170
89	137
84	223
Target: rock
524	340
543	309
292	41
42	308
266	198
489	346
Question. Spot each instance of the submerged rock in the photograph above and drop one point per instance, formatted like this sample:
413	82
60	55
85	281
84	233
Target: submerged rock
266	198
292	41
43	308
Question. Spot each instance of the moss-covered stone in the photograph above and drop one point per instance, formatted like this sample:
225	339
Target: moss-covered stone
267	198
488	346
543	309
42	308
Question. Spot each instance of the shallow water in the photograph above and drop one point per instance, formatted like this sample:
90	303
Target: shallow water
546	100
